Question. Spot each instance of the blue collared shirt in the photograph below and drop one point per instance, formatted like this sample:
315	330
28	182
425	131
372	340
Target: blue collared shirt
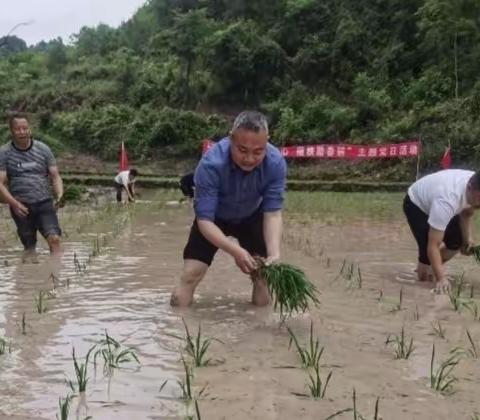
224	191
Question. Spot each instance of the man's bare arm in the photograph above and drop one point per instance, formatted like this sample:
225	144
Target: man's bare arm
8	198
435	240
272	232
57	182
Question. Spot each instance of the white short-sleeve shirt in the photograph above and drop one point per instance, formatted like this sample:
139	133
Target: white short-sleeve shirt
123	178
441	195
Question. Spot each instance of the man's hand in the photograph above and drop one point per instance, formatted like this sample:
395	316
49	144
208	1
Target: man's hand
245	261
442	286
467	247
272	259
19	209
59	203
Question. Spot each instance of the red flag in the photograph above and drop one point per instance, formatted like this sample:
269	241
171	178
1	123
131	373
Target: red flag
446	161
123	158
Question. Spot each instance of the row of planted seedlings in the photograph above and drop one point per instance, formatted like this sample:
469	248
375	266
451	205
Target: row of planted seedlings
109	349
111	353
441	374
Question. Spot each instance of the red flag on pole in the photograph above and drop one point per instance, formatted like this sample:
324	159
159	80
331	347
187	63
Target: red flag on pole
123	158
446	161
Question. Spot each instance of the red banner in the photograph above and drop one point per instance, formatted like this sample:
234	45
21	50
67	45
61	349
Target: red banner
123	164
345	151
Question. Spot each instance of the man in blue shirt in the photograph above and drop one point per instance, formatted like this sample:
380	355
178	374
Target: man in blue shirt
239	187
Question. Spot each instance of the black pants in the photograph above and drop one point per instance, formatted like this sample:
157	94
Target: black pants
187	185
418	222
249	233
119	188
42	217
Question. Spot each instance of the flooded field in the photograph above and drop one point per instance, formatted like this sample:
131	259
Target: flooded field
116	274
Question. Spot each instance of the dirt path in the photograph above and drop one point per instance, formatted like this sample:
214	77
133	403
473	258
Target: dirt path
126	290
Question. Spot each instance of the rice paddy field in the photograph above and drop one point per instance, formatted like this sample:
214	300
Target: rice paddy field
92	334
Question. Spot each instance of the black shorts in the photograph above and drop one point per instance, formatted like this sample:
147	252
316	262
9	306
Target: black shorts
187	185
249	233
418	222
119	188
42	217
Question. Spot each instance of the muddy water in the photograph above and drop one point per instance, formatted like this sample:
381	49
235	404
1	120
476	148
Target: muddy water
126	291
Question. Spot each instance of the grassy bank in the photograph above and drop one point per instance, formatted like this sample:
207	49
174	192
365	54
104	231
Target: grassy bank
292	184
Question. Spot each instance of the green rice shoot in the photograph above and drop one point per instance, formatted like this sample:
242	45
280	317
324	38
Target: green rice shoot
288	286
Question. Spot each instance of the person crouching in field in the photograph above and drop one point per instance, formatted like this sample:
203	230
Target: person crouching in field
439	210
239	187
27	167
125	180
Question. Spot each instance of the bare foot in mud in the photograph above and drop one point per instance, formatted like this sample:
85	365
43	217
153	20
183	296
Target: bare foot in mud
30	257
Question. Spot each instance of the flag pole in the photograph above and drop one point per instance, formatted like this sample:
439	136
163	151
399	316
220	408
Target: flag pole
420	148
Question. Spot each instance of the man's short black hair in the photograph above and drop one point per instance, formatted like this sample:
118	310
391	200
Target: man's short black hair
16	116
134	172
475	181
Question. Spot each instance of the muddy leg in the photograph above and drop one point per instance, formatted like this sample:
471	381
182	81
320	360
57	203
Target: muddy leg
260	295
193	273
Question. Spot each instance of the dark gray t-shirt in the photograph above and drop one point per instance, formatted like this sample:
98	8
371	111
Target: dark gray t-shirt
27	171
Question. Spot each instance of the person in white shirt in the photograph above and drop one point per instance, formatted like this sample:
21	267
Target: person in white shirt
439	209
125	180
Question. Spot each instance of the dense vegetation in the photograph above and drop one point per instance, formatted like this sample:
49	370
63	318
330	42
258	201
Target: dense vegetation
323	71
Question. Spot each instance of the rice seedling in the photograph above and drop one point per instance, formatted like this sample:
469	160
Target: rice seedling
186	384
113	354
309	356
438	330
316	386
471	351
416	314
24	324
380	295
472	291
5	346
476	254
441	379
41	301
81	371
475	416
455	294
196	346
356	414
398	306
289	287
64	407
473	308
403	348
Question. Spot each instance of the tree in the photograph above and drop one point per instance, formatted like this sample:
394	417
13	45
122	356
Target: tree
56	56
451	31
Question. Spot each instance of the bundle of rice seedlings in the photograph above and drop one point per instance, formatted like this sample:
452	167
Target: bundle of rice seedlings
288	285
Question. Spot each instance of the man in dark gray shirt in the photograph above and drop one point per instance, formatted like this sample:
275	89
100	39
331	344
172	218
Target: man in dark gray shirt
27	167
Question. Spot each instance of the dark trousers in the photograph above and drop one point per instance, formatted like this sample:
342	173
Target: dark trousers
119	188
42	217
249	233
418	222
